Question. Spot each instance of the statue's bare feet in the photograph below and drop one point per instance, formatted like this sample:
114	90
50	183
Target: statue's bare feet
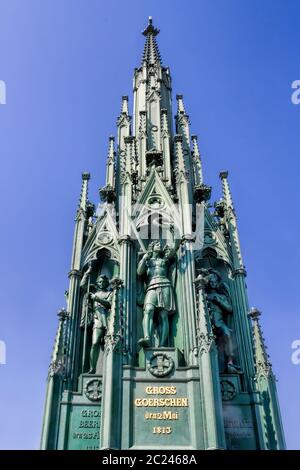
144	342
91	371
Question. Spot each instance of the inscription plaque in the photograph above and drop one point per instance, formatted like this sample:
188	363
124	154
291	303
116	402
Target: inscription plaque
239	429
84	429
161	415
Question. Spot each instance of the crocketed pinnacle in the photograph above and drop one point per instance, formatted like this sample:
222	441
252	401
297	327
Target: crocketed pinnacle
151	53
83	201
261	356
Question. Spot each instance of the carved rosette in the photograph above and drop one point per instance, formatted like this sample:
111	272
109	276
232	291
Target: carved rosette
160	364
104	238
228	390
93	390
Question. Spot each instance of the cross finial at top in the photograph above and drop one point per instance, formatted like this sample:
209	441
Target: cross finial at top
150	28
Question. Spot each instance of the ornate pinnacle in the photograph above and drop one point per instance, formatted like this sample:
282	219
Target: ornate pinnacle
124	108
178	138
180	104
164	119
197	163
85	176
262	362
223	174
226	190
150	28
254	313
110	164
151	53
84	191
111	150
62	314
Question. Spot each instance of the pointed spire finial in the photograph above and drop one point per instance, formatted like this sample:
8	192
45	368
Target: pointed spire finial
84	191
254	313
197	161
111	143
150	28
262	361
124	108
226	190
107	192
180	104
151	53
111	153
85	176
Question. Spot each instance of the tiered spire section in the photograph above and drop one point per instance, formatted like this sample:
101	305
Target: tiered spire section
110	170
83	201
183	123
108	193
232	224
83	212
124	107
266	383
150	142
151	53
197	162
226	191
152	127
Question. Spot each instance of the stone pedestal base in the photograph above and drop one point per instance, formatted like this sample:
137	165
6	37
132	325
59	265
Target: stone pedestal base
80	415
161	403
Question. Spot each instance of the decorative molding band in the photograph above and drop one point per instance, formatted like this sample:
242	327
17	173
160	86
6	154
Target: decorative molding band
74	273
125	239
239	271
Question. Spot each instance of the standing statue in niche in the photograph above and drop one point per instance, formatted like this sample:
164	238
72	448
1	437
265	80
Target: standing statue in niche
220	307
97	316
159	299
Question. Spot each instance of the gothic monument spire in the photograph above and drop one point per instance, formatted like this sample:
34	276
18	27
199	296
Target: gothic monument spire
156	347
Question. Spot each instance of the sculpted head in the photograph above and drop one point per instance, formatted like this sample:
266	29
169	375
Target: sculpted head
213	280
156	247
102	282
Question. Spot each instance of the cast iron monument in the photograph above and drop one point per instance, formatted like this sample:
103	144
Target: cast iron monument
157	347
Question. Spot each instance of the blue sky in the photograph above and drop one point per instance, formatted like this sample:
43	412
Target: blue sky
66	65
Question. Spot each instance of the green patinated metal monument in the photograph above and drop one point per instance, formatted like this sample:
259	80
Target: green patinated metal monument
157	347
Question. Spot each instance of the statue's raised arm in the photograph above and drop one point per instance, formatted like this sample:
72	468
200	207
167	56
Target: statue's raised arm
170	251
141	269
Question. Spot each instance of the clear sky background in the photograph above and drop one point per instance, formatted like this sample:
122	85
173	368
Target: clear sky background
66	64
